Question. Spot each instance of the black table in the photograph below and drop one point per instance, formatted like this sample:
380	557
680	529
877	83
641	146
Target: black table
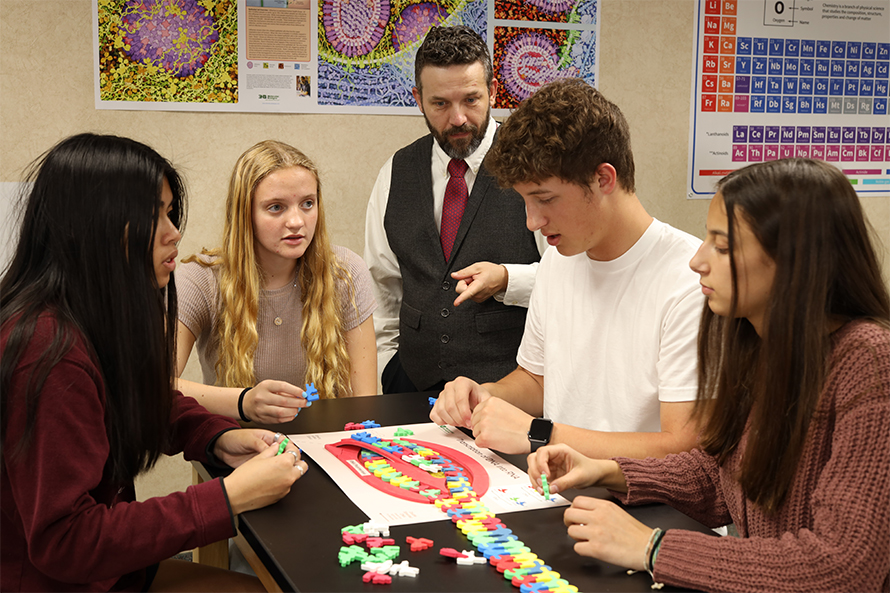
297	539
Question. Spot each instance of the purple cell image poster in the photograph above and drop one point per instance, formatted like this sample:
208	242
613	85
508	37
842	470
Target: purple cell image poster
168	50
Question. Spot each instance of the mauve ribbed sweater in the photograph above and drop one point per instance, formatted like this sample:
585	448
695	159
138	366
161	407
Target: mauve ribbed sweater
832	533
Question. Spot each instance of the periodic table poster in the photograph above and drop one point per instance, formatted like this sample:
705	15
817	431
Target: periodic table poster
792	78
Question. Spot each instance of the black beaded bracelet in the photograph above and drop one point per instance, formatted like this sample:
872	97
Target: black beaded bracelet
241	405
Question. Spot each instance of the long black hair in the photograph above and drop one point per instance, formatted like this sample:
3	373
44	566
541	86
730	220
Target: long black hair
85	257
808	219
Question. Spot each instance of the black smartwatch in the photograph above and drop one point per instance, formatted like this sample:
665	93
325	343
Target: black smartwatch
539	432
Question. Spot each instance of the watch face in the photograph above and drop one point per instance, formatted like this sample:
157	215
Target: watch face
540	429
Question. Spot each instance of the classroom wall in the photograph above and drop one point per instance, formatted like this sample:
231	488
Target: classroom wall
47	93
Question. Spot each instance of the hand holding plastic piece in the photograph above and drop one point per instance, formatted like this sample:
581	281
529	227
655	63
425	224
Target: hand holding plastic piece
273	402
235	447
265	478
603	530
456	402
479	282
567	468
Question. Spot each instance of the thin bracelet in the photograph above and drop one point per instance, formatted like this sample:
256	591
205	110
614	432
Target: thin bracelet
653	552
655	533
241	405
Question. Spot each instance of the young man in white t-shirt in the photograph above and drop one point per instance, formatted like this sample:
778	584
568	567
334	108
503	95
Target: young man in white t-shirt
607	362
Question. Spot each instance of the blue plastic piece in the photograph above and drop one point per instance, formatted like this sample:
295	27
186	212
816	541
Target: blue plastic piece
311	393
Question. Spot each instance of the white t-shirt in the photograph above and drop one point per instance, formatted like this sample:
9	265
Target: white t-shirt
612	339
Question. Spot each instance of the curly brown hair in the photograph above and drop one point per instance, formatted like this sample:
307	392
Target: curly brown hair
567	129
452	46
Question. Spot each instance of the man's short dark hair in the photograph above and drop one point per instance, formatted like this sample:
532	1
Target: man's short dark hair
567	129
452	46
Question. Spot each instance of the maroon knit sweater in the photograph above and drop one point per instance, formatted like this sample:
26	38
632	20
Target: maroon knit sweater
832	532
64	524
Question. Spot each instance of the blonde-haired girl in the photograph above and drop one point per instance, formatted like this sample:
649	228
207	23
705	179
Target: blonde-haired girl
277	305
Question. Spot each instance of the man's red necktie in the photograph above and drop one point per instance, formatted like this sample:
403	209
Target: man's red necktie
454	204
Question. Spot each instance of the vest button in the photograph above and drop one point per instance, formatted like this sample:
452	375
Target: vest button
446	285
441	365
444	338
445	313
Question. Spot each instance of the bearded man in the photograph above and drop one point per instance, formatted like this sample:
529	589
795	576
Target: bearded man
452	260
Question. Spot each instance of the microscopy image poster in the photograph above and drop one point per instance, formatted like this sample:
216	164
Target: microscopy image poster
322	56
792	78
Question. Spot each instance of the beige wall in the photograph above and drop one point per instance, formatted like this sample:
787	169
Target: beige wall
46	94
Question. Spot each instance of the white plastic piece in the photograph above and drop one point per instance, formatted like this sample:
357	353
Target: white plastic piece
376	529
378	567
471	558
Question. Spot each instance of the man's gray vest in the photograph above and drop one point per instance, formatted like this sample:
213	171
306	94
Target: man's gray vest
438	341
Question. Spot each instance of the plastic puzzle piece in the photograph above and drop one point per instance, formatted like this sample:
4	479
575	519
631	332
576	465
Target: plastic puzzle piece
379	542
378	567
545	488
376	529
377	578
370	424
282	446
348	555
403	432
353	529
451	553
471	558
354	538
403	569
418	544
385	552
433	401
311	394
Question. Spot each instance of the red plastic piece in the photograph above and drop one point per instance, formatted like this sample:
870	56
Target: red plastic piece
495	560
378	542
354	538
526	579
452	553
377	578
418	544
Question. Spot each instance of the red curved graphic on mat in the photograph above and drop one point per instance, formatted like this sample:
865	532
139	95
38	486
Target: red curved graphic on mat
348	451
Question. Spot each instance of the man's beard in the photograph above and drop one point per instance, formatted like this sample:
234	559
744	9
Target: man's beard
464	147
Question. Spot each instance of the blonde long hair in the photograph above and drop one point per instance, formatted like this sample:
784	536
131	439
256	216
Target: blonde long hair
322	335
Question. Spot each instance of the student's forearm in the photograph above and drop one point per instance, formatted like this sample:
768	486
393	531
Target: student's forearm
521	389
219	400
605	445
